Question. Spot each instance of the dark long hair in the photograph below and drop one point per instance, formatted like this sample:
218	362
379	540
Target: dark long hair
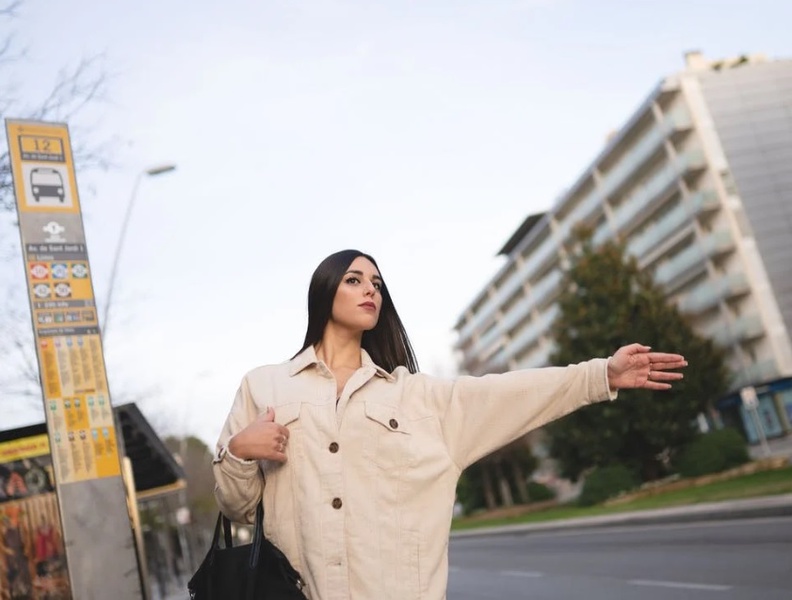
387	344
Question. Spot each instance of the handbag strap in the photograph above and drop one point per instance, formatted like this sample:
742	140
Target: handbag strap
216	534
258	535
227	537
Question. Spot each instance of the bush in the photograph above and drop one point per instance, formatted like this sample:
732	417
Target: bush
539	492
605	482
712	453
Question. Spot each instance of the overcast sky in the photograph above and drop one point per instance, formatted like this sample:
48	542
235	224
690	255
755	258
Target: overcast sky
422	132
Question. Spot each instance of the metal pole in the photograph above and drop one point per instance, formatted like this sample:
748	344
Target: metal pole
760	429
121	238
119	246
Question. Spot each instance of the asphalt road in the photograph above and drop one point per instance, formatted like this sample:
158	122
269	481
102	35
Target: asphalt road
748	559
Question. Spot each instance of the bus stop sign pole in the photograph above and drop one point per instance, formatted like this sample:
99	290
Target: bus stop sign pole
83	439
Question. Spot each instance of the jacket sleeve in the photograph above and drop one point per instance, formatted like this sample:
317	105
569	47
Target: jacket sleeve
478	415
239	484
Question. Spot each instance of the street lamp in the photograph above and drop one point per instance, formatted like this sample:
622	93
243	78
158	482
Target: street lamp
151	172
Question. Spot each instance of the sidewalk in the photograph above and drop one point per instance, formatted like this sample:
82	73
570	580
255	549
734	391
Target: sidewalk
777	446
767	506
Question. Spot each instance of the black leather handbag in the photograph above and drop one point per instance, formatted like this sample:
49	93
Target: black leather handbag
255	571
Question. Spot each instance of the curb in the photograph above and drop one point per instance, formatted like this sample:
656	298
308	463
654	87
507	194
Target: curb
765	506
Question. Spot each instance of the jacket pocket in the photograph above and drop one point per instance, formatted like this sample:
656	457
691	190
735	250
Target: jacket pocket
390	440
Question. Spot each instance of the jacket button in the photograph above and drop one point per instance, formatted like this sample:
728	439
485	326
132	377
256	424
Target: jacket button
333	447
393	423
337	503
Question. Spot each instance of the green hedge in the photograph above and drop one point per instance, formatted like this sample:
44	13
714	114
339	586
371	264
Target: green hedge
605	482
539	492
712	453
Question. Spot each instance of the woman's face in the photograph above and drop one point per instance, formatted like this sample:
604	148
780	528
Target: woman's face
358	299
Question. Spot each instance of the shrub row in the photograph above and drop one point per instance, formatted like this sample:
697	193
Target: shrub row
710	453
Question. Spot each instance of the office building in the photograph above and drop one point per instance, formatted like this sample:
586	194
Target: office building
698	184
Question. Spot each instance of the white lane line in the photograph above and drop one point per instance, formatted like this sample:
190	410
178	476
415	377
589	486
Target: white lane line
522	573
680	585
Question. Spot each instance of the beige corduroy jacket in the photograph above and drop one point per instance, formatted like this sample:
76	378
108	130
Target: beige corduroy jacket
363	505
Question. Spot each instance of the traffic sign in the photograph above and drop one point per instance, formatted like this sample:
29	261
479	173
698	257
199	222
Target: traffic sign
749	397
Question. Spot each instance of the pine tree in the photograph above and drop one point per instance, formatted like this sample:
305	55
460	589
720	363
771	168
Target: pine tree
608	303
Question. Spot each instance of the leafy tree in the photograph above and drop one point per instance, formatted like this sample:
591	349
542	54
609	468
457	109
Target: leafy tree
610	302
498	479
195	458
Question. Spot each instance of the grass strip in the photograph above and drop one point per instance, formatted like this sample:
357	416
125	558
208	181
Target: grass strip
765	483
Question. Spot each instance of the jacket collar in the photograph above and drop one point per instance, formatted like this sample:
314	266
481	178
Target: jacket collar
307	358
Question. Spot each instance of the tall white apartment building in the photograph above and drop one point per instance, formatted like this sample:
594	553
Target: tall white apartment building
698	183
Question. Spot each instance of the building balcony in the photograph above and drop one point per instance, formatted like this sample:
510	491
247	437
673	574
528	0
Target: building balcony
710	293
478	321
631	162
532	332
538	259
497	363
758	372
489	338
642	200
581	212
603	232
539	358
687	263
680	216
483	317
691	261
718	243
546	287
619	176
517	313
743	329
659	231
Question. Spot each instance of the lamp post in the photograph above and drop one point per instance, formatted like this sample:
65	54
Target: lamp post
151	172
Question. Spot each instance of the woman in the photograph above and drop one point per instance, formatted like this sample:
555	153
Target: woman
357	455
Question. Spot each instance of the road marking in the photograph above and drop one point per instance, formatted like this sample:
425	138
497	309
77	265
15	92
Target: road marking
522	573
681	585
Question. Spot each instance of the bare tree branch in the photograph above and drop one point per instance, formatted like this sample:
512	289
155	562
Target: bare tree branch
75	89
10	9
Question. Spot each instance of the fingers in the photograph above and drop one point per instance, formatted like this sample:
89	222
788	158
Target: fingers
657	379
273	436
663	376
631	349
658	358
669	366
280	441
654	385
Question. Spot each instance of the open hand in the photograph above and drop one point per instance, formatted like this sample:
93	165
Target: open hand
263	439
634	366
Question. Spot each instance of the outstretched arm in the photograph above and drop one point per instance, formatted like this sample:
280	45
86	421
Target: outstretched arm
482	414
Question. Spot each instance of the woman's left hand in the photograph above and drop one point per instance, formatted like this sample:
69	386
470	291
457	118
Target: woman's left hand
634	366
